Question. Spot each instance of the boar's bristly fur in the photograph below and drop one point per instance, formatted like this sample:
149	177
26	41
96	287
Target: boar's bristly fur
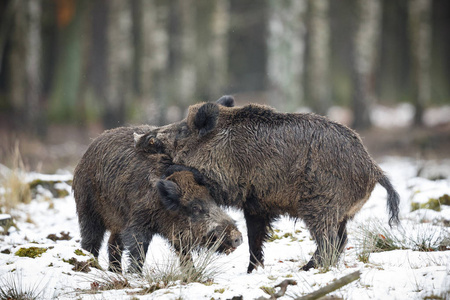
137	194
271	164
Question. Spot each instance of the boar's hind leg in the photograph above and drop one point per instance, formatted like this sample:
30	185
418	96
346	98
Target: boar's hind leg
115	248
92	231
257	230
330	241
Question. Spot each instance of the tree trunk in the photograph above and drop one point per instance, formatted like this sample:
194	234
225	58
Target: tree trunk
26	88
286	44
18	53
218	49
119	61
65	93
420	32
212	38
33	69
185	50
365	45
319	52
154	57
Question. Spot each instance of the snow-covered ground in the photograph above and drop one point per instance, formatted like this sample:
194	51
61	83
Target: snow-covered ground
396	274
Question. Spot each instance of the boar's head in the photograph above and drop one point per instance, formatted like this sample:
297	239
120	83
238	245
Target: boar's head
175	138
196	220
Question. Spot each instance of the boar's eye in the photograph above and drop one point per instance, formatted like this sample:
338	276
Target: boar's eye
197	209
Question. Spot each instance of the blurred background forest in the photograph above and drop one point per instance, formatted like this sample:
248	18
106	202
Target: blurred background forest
72	68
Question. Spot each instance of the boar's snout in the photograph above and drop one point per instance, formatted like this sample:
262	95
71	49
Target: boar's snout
229	240
236	238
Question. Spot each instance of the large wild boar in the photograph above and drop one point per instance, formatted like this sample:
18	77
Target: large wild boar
271	164
137	194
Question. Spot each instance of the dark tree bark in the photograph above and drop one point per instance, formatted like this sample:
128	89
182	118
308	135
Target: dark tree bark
119	62
26	59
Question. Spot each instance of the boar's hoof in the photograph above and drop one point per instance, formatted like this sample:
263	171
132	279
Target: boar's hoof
311	264
253	266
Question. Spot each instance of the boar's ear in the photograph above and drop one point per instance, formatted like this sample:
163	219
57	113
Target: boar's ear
169	193
226	100
206	118
137	138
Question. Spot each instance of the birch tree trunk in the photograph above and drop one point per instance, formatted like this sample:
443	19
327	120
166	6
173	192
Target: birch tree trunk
420	32
119	62
212	42
286	45
218	49
183	73
319	52
365	45
154	17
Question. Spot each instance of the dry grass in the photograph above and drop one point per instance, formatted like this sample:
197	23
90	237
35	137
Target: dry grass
374	236
167	272
14	189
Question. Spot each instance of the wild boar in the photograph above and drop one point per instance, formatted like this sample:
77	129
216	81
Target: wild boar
269	164
137	194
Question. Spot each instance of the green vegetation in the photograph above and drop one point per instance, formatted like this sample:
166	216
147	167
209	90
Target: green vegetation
79	252
31	252
432	203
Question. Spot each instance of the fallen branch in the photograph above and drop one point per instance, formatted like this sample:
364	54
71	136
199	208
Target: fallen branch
317	294
332	286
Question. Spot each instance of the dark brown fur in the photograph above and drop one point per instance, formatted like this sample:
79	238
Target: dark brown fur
119	189
270	164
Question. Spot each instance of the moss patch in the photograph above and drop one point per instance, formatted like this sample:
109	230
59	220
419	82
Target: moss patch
31	252
432	203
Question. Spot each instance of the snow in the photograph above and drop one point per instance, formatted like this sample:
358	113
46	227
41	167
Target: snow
396	274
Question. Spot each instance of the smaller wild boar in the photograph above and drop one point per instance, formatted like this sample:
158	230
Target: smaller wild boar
137	194
269	164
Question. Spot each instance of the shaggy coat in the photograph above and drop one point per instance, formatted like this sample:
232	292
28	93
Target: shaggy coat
270	164
137	194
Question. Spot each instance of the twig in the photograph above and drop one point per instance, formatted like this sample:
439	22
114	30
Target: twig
283	287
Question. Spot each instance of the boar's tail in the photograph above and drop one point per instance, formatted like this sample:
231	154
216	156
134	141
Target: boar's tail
393	200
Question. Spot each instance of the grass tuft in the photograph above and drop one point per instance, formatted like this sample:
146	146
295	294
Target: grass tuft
15	189
374	236
12	287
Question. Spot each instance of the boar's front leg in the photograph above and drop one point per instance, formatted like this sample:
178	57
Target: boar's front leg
136	242
257	229
115	248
